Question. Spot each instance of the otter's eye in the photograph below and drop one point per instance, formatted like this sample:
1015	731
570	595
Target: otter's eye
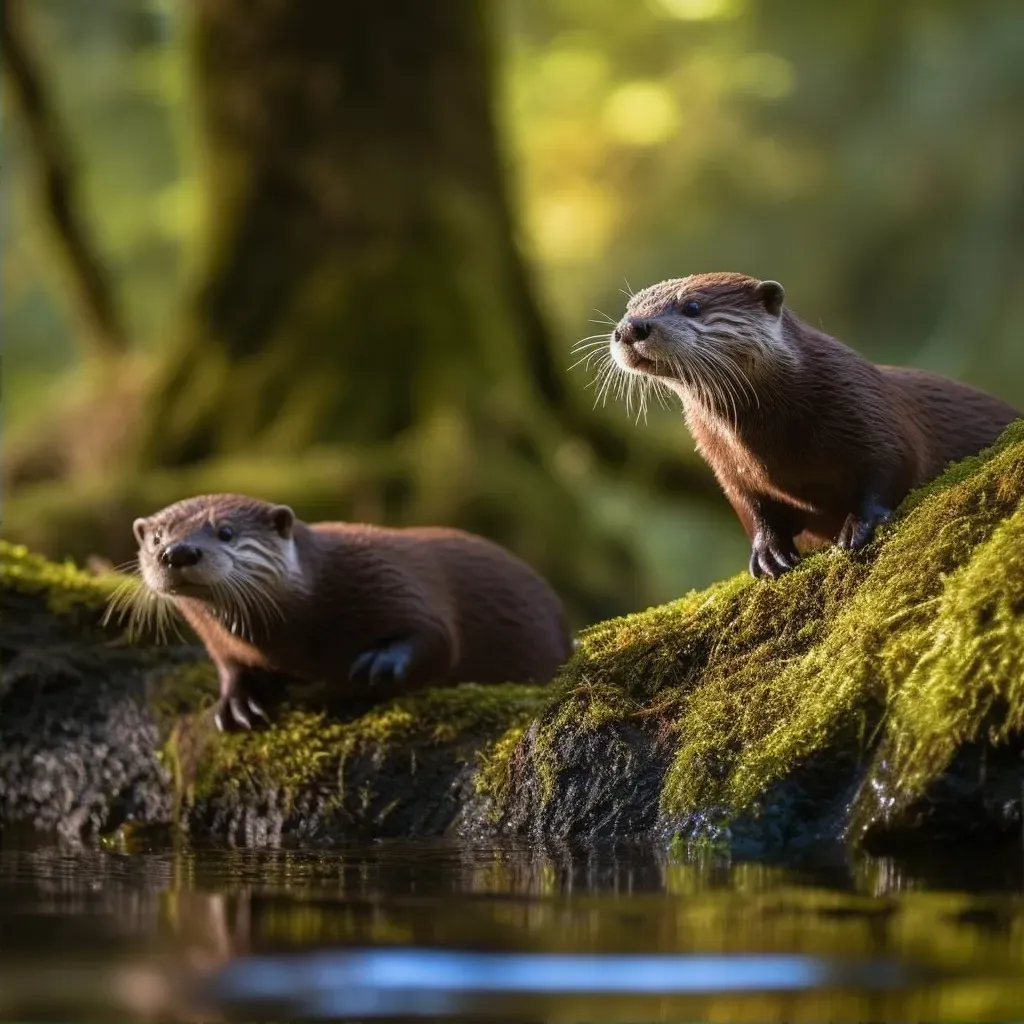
691	308
225	533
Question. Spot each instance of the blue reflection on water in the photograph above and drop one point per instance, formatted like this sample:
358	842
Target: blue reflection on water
431	981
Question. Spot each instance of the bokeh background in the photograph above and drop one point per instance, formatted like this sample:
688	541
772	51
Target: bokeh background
336	254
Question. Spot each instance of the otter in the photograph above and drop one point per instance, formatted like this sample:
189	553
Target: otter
376	610
811	443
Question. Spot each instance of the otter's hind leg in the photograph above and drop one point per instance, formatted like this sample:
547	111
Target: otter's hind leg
860	526
390	662
404	663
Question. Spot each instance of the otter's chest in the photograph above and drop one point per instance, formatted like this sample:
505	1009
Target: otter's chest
293	644
769	464
733	459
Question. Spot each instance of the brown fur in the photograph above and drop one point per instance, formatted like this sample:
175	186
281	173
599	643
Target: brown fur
810	442
471	610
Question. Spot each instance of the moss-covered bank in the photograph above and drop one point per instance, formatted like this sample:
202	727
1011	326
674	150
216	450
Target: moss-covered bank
886	689
873	697
99	735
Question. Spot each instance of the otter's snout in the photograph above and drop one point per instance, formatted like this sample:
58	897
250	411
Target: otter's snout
632	330
180	555
635	344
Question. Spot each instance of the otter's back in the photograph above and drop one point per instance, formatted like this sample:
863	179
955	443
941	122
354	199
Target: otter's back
953	419
506	621
511	623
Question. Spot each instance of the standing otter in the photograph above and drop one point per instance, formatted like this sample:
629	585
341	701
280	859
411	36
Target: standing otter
810	442
387	610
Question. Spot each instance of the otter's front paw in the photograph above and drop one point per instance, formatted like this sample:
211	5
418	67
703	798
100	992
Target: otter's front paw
772	554
237	709
382	663
858	530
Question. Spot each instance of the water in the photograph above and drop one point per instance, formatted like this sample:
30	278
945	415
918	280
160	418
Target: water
504	932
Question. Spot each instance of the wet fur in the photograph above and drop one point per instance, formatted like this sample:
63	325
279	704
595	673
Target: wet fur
810	442
470	610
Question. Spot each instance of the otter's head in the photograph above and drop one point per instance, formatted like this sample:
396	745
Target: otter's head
707	335
235	554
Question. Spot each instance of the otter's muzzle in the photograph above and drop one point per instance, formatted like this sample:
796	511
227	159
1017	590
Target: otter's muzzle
631	330
180	555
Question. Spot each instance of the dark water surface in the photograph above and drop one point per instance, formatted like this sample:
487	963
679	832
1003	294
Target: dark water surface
404	930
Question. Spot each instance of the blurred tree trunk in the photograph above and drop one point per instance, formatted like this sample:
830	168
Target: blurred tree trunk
359	275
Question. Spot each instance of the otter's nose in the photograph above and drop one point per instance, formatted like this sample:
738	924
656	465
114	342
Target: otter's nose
632	330
180	555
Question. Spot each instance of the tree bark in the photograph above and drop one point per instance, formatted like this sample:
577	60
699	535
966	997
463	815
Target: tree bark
359	273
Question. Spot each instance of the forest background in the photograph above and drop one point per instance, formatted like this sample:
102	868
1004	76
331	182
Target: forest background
337	255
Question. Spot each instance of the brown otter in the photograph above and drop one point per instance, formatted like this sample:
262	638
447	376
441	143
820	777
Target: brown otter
810	442
373	609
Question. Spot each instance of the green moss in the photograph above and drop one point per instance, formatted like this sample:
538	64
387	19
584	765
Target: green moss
306	747
67	588
182	689
917	642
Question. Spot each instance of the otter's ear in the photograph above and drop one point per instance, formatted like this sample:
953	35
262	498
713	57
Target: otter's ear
771	293
139	529
283	519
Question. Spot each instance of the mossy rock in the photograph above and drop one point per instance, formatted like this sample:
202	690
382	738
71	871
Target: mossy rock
101	736
863	697
872	699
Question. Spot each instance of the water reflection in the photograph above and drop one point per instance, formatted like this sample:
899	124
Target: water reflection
397	929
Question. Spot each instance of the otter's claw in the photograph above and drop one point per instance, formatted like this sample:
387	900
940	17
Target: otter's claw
858	530
772	555
378	663
234	711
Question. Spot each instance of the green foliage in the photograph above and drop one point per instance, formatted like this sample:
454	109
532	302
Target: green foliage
66	587
921	638
116	73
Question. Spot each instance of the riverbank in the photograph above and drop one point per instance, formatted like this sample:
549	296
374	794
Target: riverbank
875	700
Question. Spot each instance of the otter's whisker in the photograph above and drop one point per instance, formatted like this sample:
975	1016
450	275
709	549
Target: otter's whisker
121	600
624	389
658	389
611	372
722	383
240	607
601	367
748	386
227	607
587	358
720	378
256	596
710	388
605	366
727	390
743	382
644	386
590	341
138	609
